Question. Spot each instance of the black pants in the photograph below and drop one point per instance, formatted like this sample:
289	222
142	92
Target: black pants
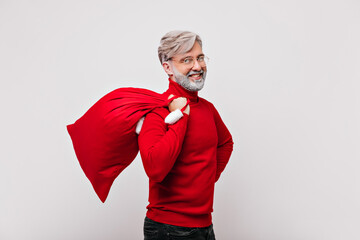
161	231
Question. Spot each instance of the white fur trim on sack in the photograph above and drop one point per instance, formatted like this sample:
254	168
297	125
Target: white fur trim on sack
139	125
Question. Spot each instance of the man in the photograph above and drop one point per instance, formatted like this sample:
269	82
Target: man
183	160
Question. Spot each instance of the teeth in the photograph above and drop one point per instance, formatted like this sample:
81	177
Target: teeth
196	75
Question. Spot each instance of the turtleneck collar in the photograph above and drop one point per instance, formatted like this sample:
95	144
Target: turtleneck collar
176	89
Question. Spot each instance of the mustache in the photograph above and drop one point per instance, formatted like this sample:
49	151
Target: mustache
194	72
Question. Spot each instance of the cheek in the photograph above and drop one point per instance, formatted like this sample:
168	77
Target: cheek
183	70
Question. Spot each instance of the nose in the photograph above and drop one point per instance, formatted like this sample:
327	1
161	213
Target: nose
196	66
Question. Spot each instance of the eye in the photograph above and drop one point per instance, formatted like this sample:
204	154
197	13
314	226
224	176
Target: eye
201	58
188	60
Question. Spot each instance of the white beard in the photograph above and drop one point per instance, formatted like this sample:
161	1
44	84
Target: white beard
186	83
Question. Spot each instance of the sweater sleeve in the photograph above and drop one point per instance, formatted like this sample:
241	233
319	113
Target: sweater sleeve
160	144
225	144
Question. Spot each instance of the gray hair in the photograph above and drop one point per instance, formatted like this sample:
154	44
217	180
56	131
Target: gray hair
176	42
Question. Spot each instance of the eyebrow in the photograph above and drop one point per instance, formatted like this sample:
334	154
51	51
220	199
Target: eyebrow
200	55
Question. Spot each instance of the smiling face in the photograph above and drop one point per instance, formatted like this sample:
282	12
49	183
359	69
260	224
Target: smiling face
188	69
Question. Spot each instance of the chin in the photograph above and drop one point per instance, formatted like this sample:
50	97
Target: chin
196	85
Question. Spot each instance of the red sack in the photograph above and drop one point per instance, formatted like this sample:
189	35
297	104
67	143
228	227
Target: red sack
104	138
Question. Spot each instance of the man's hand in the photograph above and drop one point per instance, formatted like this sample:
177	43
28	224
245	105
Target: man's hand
179	103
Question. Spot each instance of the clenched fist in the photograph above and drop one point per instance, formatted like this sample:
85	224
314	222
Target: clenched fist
179	103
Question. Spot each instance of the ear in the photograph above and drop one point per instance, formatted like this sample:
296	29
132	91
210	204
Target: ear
167	68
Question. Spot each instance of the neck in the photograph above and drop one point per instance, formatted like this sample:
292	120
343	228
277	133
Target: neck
176	89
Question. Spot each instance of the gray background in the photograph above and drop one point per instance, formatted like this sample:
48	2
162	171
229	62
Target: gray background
283	74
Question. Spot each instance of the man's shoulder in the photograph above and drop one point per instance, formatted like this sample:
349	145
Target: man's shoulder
206	102
161	111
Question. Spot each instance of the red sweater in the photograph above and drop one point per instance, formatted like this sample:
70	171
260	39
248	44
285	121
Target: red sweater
184	160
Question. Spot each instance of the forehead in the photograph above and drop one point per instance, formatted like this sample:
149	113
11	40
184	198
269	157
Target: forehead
195	51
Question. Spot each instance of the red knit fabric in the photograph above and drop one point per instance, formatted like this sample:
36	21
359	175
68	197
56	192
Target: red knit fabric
183	161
